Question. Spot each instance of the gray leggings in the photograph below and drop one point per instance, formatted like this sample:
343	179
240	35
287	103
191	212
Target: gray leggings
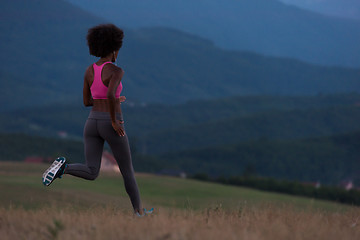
98	129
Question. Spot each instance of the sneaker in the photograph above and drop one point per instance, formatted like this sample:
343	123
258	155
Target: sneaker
56	170
146	212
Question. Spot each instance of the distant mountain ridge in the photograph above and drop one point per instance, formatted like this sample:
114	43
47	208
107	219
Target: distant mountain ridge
340	8
45	55
268	27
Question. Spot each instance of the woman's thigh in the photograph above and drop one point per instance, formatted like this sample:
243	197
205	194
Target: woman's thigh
119	146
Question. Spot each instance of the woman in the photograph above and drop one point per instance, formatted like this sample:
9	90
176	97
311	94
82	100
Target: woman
102	87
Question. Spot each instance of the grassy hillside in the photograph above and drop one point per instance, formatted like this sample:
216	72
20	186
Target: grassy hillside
23	187
329	160
184	209
161	65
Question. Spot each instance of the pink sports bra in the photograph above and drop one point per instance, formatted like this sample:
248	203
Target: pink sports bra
98	89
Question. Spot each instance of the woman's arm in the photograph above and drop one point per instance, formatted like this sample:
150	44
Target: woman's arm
87	98
111	96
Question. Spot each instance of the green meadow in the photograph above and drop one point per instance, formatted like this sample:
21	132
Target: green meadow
20	186
73	208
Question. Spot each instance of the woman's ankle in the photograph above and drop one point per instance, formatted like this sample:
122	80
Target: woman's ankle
140	211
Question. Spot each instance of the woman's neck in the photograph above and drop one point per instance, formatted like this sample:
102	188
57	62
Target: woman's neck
103	60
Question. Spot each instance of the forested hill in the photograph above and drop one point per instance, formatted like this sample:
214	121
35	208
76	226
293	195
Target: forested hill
157	129
282	137
268	27
45	54
326	159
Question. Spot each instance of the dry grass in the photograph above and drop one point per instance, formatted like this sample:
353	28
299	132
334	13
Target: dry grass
185	209
262	222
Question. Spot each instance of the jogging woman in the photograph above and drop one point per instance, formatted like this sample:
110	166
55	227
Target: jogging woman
102	88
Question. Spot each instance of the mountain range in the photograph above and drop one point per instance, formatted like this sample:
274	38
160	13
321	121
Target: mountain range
282	134
44	55
340	8
268	27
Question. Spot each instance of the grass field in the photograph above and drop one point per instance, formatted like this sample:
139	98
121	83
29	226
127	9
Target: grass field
73	208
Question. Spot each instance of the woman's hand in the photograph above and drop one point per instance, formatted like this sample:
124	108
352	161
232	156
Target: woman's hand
118	128
122	99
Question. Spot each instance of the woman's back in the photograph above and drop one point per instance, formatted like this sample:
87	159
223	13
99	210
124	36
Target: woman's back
104	81
99	87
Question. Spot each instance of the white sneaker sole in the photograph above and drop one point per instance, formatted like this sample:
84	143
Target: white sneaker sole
50	173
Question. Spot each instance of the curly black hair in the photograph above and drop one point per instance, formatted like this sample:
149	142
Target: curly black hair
104	39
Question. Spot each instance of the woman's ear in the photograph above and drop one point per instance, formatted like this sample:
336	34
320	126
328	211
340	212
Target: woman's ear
114	57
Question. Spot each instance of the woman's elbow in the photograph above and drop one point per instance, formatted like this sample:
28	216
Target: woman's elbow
110	96
87	103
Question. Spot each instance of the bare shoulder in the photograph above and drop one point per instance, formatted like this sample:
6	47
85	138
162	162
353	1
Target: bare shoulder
89	71
116	71
90	68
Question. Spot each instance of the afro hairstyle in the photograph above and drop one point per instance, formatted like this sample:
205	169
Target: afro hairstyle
104	39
